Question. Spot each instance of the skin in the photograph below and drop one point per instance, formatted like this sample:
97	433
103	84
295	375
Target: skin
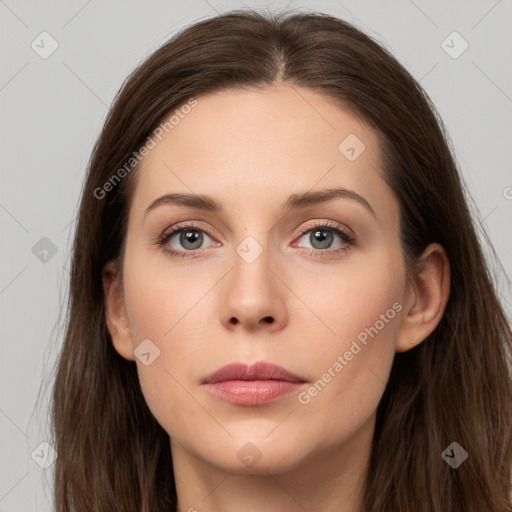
251	150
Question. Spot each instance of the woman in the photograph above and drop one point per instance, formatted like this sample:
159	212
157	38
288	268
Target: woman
278	300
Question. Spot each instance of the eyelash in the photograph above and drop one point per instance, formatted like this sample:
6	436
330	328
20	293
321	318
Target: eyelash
349	239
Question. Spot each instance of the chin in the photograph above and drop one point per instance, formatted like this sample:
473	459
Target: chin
247	455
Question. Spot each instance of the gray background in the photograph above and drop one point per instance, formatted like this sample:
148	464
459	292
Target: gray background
52	110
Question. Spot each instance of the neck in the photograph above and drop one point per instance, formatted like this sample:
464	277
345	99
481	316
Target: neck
331	478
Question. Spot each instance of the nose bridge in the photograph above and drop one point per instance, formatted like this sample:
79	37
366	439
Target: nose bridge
251	276
252	293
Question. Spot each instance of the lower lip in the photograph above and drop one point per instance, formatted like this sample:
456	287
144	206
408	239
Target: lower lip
252	392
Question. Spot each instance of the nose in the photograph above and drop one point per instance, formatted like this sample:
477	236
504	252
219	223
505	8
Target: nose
254	297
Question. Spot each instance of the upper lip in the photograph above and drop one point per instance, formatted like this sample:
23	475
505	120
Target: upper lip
258	371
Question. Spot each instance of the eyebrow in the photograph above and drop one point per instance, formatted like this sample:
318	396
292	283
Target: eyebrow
294	202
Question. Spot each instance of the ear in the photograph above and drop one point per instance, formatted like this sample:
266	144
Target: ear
427	298
115	313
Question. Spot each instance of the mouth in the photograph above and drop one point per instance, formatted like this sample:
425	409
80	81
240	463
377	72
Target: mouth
252	385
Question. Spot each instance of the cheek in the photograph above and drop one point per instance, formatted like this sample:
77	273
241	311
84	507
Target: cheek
353	298
163	307
155	296
362	309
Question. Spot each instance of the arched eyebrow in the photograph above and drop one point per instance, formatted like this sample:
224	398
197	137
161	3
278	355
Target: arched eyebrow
294	202
305	199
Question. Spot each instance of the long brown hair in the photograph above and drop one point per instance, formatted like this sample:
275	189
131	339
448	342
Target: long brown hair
455	386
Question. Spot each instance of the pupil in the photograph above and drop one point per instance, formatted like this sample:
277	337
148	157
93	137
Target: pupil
190	237
320	236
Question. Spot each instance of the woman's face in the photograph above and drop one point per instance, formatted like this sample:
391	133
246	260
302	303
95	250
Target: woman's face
265	277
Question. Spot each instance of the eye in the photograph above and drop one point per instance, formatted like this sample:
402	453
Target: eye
322	235
191	239
189	236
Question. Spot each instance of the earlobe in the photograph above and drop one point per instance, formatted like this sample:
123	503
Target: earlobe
427	298
115	313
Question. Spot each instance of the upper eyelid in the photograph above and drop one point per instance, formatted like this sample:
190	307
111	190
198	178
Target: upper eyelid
187	225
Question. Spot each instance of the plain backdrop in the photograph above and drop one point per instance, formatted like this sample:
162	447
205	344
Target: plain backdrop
62	63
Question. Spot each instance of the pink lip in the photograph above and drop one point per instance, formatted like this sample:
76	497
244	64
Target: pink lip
255	384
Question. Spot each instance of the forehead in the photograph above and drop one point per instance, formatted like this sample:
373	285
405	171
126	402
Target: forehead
257	147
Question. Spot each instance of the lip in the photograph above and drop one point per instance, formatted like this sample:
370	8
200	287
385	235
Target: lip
252	384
